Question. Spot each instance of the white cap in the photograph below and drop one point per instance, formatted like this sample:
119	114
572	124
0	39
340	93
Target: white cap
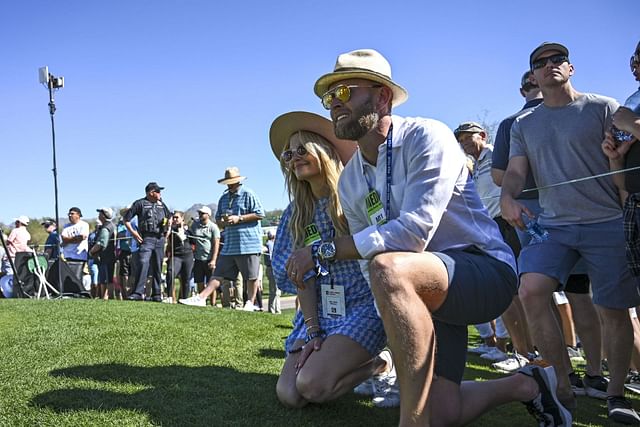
205	209
23	219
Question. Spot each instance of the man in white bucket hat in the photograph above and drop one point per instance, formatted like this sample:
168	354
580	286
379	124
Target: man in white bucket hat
434	258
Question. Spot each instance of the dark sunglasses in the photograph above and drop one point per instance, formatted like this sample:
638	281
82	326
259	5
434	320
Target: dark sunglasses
341	92
555	59
287	156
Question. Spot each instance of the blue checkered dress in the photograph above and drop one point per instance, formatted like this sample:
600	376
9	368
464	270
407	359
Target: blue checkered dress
361	322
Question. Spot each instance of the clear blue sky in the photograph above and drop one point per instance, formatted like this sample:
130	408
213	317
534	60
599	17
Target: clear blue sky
175	91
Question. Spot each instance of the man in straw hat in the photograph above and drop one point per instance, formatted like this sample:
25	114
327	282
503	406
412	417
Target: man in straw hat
239	214
435	260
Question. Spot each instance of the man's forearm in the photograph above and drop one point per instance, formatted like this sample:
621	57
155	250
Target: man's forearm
346	248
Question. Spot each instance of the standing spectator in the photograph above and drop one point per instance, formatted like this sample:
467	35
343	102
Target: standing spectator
16	242
75	245
239	213
205	236
124	242
153	217
52	244
435	260
274	290
179	258
103	252
559	141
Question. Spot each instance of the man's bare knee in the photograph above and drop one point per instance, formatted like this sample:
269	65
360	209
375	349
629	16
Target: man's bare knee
386	273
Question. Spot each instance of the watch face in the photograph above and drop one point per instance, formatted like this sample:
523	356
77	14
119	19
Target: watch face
327	250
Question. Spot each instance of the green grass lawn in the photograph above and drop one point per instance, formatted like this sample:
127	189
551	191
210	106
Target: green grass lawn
83	362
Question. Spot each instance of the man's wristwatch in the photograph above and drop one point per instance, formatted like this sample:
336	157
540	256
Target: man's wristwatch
327	251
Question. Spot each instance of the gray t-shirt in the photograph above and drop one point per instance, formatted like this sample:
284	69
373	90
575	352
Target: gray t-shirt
561	144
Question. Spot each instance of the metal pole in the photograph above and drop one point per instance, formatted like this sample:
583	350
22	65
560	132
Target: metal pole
52	111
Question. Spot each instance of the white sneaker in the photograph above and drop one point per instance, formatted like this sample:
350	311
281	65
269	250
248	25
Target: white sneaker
511	364
194	300
495	355
386	391
248	306
481	349
168	300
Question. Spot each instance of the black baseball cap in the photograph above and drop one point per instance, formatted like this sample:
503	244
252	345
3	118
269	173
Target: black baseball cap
545	47
75	209
525	82
152	186
47	222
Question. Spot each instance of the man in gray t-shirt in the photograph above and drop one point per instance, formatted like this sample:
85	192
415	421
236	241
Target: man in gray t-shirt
560	141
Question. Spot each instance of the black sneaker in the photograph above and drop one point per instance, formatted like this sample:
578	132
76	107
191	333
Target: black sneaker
134	297
620	411
545	407
595	386
576	384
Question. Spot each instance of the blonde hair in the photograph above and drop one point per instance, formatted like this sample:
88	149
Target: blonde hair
300	195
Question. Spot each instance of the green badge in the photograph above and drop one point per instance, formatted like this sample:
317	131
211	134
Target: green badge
311	235
375	210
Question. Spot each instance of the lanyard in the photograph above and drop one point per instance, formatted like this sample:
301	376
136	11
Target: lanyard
389	165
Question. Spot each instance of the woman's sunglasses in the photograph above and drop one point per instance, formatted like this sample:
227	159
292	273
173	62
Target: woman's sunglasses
287	155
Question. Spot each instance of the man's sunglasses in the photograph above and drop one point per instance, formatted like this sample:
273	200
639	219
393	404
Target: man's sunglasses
555	60
341	92
287	155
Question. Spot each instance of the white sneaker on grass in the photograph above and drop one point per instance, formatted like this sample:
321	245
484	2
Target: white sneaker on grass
248	306
495	355
511	364
194	301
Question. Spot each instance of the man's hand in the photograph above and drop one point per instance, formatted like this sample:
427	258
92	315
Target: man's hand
512	211
298	264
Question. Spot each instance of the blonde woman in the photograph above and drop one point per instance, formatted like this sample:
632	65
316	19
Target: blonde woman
337	332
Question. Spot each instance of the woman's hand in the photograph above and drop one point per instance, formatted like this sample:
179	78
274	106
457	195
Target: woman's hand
298	264
306	350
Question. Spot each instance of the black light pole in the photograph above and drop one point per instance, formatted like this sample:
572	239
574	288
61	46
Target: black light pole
52	83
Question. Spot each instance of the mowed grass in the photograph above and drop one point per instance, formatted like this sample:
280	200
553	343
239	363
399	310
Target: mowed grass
87	362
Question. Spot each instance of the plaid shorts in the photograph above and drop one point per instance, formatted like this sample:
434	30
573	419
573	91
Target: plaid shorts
631	223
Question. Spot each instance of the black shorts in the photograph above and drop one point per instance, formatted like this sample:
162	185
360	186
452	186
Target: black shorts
577	284
124	263
481	288
202	273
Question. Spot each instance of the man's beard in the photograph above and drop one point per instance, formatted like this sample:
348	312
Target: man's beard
362	121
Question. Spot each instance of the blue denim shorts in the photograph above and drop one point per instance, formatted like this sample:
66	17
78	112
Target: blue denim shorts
601	246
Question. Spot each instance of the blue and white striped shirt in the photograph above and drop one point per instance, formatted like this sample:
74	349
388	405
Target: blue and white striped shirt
246	237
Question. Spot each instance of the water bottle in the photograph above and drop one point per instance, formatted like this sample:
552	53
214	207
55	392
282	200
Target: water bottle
536	231
632	103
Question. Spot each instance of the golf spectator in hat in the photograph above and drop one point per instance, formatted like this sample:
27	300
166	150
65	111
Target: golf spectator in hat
16	242
153	223
435	259
75	244
51	245
239	213
205	236
103	252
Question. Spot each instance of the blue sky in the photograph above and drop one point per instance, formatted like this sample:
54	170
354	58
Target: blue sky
176	91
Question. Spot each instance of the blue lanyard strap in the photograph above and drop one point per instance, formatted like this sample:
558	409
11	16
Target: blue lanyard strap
389	165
